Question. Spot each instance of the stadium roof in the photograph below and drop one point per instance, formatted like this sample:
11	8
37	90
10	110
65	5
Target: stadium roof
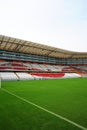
23	46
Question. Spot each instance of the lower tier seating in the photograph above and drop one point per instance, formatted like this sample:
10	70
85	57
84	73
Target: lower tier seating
50	75
8	76
71	75
32	76
24	76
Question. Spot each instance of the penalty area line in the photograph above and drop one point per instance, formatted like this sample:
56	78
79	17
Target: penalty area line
46	110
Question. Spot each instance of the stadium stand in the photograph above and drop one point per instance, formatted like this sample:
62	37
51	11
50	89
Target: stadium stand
24	76
50	75
38	61
71	75
8	76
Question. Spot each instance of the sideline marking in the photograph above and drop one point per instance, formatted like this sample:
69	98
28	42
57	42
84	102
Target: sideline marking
52	113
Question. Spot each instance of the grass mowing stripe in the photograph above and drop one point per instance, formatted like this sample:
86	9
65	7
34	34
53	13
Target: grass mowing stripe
52	113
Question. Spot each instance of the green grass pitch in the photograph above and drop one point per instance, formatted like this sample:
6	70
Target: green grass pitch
65	97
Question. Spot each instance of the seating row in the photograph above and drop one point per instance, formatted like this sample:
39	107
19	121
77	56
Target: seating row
28	76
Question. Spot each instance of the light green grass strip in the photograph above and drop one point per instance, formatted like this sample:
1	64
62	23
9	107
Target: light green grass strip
52	113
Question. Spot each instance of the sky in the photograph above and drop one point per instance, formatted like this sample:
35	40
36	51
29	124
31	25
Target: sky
57	23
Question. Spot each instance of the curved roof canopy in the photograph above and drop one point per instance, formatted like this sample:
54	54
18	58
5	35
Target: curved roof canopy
22	46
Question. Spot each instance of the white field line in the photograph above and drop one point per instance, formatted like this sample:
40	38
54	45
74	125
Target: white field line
52	113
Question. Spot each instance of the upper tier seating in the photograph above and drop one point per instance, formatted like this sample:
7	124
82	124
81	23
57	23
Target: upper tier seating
44	67
36	66
28	65
52	68
69	69
59	68
12	66
82	67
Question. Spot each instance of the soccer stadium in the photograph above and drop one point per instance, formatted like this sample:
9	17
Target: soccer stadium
42	87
